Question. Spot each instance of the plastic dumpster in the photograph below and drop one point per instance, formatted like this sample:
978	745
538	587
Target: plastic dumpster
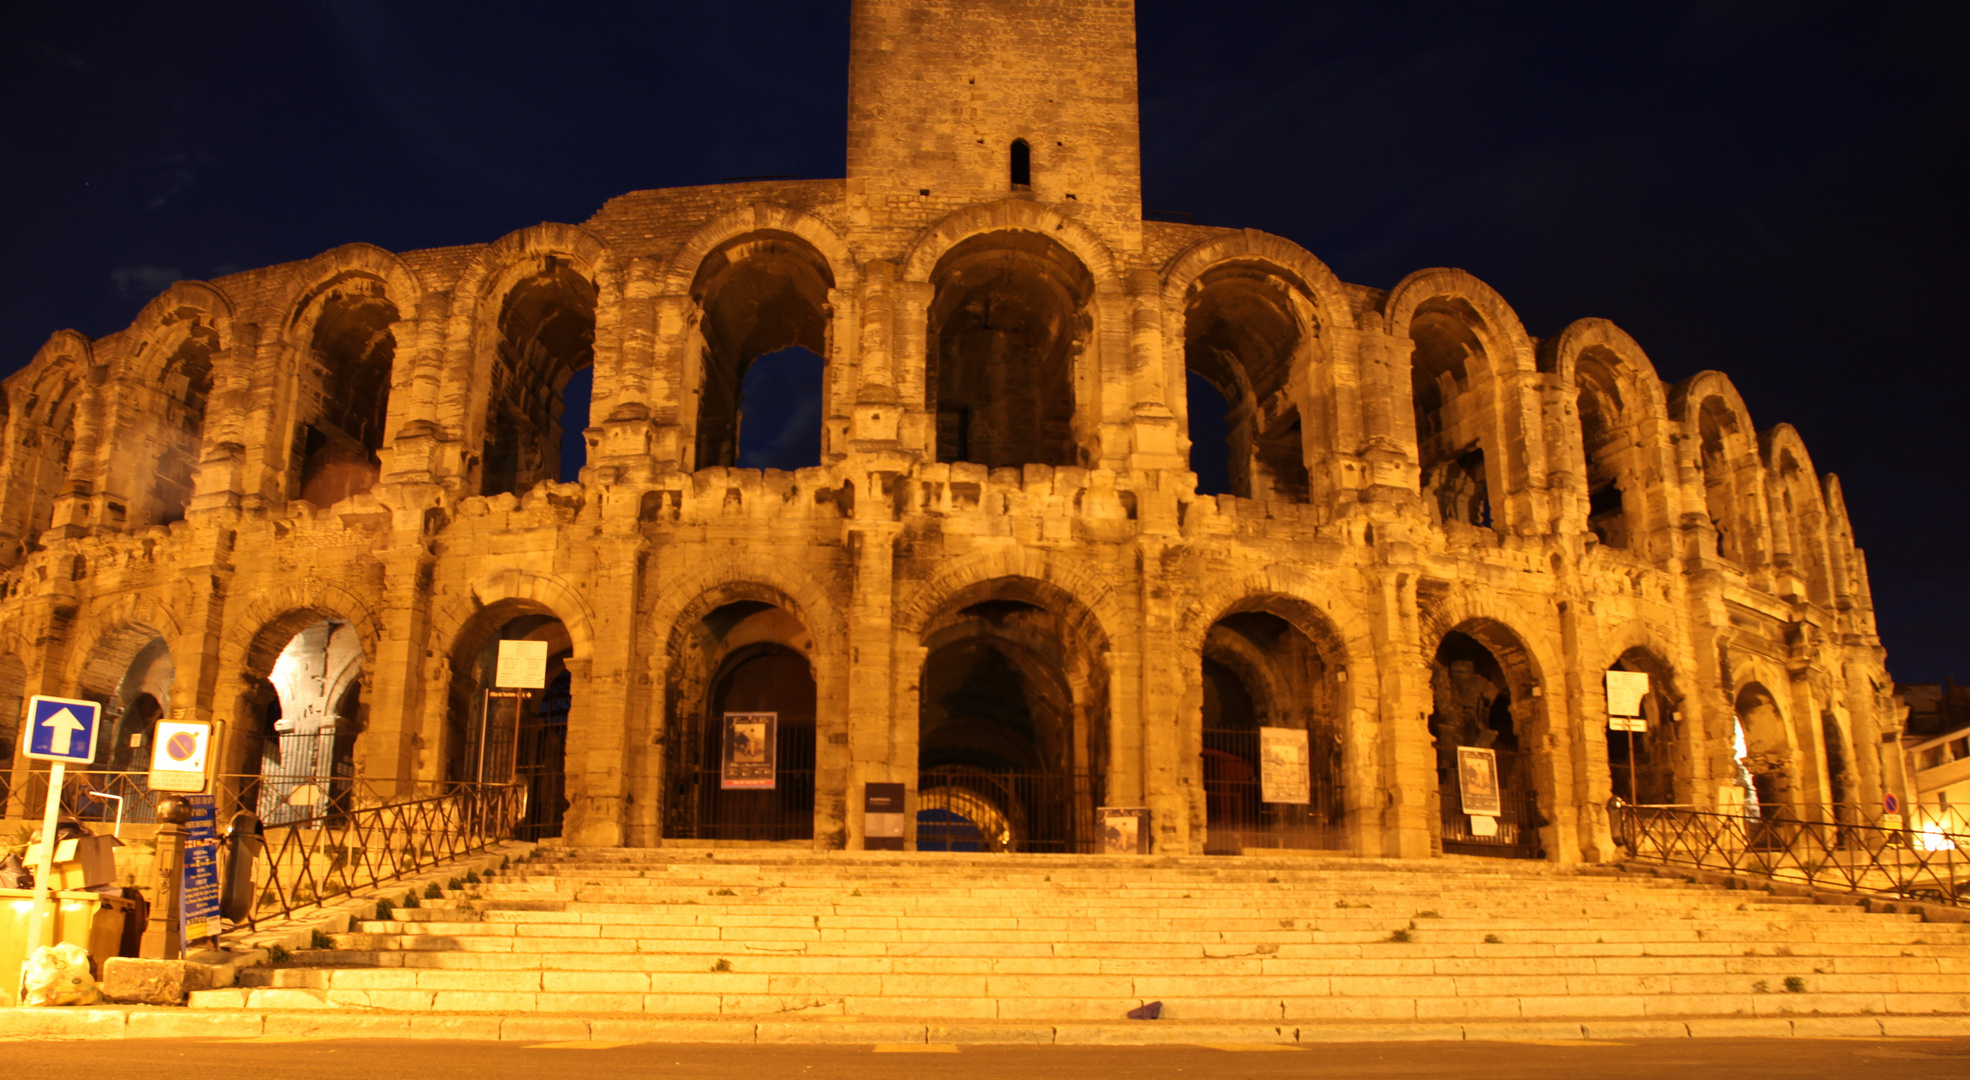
88	919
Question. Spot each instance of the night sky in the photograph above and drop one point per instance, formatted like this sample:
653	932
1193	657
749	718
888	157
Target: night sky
1775	189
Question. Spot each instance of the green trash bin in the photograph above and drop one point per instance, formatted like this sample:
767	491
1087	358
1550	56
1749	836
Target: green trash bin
88	919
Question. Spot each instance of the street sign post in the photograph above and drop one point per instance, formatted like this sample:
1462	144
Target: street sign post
60	731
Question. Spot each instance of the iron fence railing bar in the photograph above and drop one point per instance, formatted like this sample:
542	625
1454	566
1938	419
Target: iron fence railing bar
1818	846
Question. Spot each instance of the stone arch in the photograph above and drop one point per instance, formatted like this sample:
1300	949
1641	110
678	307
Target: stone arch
1011	215
1618	439
46	417
1010	345
351	317
1014	704
733	642
547	592
115	636
1770	765
182	338
1848	572
683	267
1267	656
526	311
1462	711
1108	613
1798	511
755	294
1255	314
1665	758
1469	353
1724	459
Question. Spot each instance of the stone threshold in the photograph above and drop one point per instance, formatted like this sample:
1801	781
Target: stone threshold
119	1022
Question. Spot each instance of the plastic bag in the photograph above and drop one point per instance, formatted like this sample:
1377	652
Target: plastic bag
59	975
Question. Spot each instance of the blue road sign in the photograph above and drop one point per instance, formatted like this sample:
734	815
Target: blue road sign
59	729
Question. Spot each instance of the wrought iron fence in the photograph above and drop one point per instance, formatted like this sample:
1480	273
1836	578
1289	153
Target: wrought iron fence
1516	831
1236	815
309	861
782	812
105	797
1821	846
960	808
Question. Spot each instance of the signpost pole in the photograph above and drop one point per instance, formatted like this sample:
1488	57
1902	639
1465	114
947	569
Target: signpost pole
485	727
44	866
1632	765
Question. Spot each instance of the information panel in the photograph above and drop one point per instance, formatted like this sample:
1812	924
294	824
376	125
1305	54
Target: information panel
750	751
1283	776
199	898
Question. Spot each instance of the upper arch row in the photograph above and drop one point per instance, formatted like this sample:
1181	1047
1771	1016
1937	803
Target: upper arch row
285	380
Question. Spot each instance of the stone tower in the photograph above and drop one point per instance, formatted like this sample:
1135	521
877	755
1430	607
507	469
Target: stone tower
940	92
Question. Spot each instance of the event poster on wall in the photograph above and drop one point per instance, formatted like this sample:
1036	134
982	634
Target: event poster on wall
1477	781
1283	776
748	761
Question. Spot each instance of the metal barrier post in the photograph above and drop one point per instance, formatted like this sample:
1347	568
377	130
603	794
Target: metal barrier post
164	936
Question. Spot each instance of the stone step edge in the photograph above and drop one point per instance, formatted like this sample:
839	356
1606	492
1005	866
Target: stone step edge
117	1022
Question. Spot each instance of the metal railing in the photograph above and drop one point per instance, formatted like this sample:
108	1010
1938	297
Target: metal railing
310	861
96	796
1822	847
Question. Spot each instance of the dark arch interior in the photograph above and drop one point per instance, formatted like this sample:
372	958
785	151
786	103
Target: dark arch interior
345	395
1005	328
1262	671
759	295
1641	765
1449	449
1472	706
780	415
1240	337
537	406
1714	421
1599	407
186	384
496	735
1767	756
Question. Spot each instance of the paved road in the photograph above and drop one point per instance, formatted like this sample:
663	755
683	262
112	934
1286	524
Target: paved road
285	1059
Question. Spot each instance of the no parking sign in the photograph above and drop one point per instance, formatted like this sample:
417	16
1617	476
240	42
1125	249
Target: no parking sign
177	758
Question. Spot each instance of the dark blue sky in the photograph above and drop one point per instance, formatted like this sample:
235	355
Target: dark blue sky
1774	189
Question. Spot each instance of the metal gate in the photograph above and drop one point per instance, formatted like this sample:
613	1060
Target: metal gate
1518	826
960	808
1235	815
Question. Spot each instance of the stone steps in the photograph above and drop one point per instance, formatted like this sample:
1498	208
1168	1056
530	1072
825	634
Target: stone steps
1079	939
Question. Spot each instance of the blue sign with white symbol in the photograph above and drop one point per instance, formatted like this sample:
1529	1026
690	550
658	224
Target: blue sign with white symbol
59	729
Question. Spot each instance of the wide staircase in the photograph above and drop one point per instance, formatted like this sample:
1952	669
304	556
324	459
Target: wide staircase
1008	939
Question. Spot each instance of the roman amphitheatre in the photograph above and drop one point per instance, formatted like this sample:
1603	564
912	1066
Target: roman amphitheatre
306	503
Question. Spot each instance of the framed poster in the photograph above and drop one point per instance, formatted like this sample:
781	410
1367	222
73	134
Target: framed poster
750	744
1124	830
1477	781
1283	766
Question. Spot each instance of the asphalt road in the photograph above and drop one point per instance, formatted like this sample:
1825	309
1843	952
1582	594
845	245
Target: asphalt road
287	1059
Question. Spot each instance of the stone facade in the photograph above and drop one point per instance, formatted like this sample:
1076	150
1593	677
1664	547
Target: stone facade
1443	529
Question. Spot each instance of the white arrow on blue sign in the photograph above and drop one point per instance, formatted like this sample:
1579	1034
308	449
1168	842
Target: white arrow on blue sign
61	729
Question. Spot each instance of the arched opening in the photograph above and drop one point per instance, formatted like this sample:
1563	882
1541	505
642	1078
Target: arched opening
780	425
1241	334
537	405
1481	702
1210	436
1261	671
1646	767
185	385
502	734
38	460
742	708
1766	756
1022	164
1842	786
1603	438
757	294
344	397
1451	421
1008	325
1721	443
297	721
129	672
1011	725
1805	524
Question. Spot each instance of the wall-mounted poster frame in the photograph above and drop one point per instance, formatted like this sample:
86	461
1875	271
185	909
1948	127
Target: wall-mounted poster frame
749	761
1477	776
1283	776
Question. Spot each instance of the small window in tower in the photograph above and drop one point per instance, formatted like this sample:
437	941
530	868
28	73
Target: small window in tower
1022	163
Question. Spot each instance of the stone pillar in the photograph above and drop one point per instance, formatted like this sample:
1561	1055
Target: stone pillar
881	742
1409	765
